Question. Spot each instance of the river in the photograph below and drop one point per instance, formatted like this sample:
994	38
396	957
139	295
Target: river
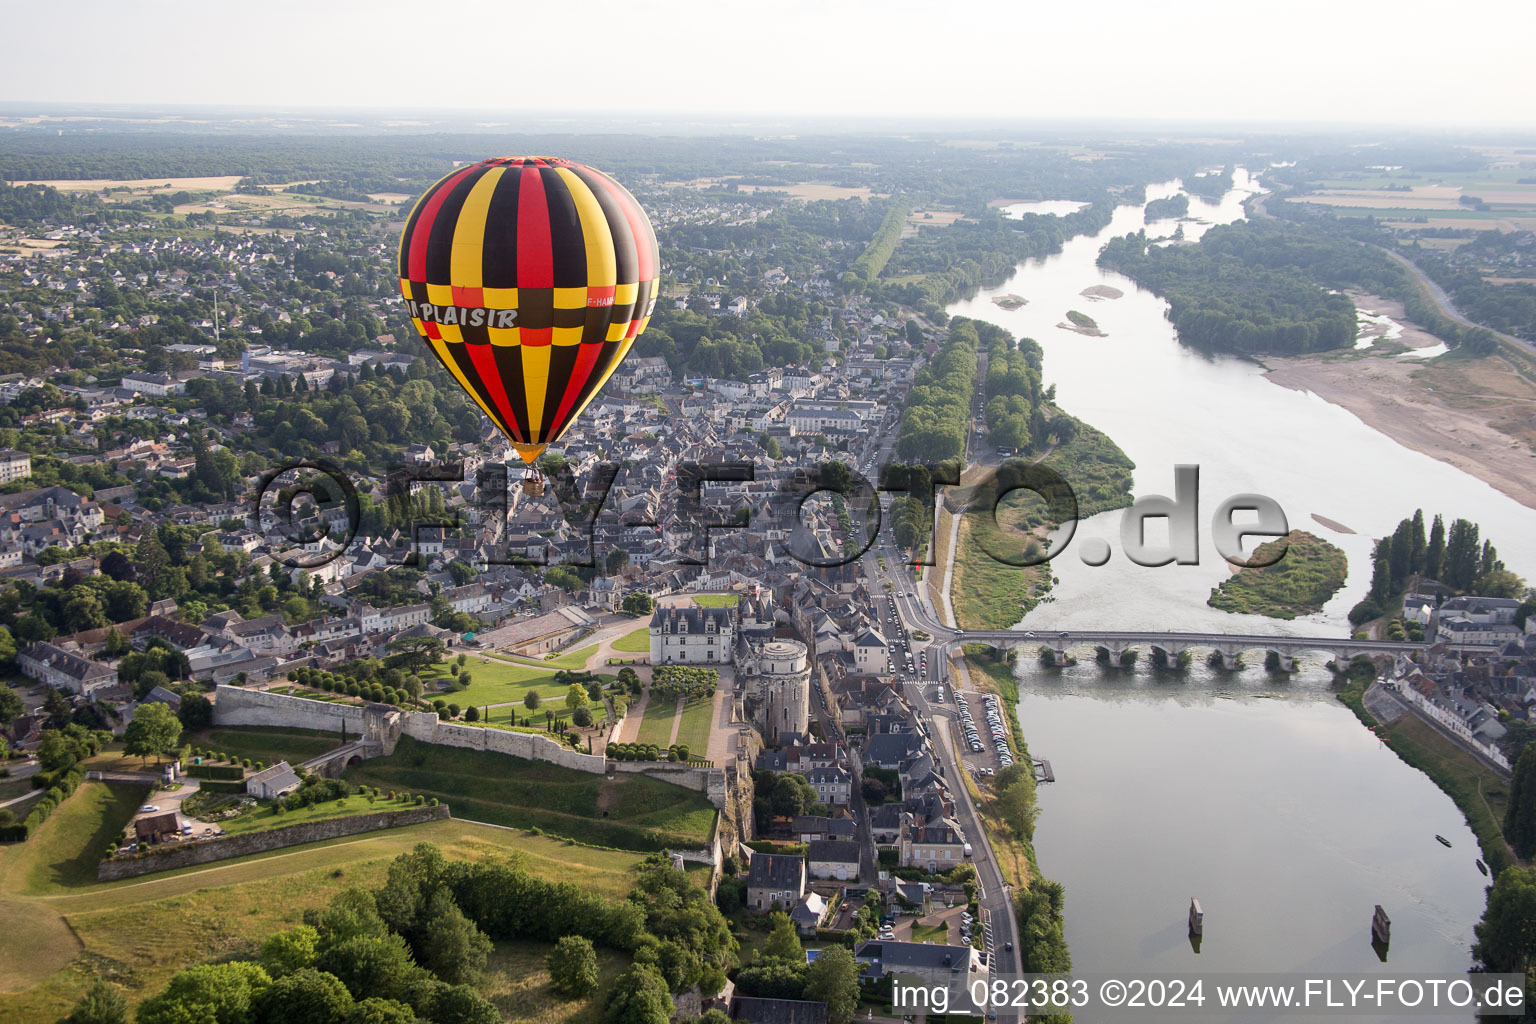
1264	798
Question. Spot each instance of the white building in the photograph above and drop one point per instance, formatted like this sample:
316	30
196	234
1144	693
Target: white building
688	634
871	656
14	465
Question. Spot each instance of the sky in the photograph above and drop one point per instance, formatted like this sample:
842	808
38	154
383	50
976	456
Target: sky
1301	62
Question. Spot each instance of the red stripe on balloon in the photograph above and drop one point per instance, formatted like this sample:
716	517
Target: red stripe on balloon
586	358
423	231
490	375
535	260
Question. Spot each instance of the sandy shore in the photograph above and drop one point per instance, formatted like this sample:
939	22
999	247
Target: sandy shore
1385	394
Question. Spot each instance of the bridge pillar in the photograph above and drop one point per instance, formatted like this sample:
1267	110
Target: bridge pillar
1229	662
1115	654
1285	662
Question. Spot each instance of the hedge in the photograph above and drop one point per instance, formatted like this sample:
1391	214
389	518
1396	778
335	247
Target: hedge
222	786
58	792
216	771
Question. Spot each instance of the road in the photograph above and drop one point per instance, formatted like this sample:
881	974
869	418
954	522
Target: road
1448	308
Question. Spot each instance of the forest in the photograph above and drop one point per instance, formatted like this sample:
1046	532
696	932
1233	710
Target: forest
1250	288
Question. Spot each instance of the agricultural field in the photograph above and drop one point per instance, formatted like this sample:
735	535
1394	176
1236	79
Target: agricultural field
64	929
632	812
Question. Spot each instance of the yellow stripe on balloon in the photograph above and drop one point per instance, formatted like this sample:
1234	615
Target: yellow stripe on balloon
536	386
602	265
465	265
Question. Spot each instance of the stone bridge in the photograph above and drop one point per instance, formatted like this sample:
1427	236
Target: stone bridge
1117	642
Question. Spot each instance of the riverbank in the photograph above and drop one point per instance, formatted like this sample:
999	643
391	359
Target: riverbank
1478	792
1478	415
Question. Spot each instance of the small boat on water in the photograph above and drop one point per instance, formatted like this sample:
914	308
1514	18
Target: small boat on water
1482	867
1443	841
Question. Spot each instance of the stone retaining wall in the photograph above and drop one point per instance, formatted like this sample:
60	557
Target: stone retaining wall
180	855
235	705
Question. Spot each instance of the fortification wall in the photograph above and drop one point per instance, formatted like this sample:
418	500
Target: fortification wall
428	728
180	855
235	705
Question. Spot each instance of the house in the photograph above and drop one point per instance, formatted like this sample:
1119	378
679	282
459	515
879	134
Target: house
543	633
64	670
923	963
891	750
778	1011
811	827
871	656
775	881
157	385
271	783
936	847
155	827
692	635
834	858
833	785
912	897
14	465
809	913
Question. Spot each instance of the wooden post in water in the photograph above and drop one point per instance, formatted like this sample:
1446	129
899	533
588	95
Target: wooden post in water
1196	924
1381	932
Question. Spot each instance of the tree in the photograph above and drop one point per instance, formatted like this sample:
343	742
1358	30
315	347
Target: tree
783	943
581	717
834	979
1520	818
460	1004
576	697
573	966
639	996
117	644
531	701
1434	555
374	1010
1506	936
417	652
637	603
451	946
10	705
369	965
1500	583
196	712
101	1004
154	730
306	996
290	950
208	994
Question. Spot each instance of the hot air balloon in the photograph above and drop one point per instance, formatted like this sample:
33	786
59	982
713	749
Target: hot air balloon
530	277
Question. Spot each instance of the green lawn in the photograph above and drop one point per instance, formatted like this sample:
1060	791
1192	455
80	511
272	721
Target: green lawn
266	743
492	682
570	660
694	731
717	600
65	851
140	931
638	642
506	714
265	817
633	812
937	933
656	726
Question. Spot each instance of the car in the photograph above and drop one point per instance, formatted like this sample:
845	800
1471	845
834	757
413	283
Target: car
1007	947
149	809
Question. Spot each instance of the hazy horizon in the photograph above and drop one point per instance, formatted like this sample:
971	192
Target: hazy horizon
1200	63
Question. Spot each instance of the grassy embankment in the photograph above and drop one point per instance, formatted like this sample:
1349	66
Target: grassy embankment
267	744
1309	573
64	929
501	681
1013	848
632	812
990	594
1479	791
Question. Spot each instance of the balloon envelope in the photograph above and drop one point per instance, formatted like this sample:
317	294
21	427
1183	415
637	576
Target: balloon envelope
530	277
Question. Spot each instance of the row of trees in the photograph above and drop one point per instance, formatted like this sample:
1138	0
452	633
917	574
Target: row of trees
1457	557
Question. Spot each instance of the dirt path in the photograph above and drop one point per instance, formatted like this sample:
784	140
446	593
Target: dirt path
629	732
677	722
